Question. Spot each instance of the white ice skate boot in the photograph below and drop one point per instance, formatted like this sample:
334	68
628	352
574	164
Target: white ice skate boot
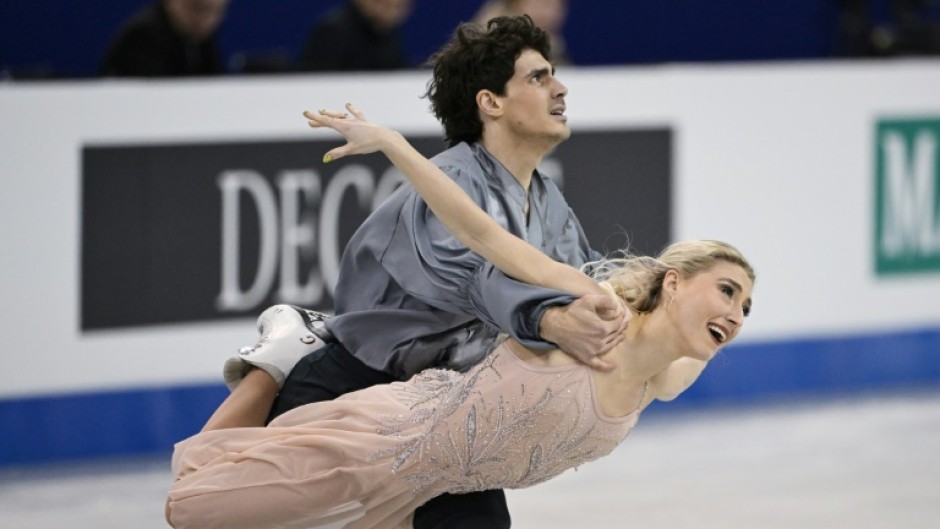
288	333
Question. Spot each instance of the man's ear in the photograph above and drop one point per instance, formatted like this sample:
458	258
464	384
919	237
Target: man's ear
489	103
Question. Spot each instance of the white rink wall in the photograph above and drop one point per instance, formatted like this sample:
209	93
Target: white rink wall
781	160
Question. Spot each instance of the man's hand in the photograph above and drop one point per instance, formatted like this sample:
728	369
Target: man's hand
586	329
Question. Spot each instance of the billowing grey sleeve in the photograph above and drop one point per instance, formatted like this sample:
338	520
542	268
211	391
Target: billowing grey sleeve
516	307
432	265
512	306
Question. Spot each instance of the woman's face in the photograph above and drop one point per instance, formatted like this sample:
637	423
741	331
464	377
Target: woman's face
709	308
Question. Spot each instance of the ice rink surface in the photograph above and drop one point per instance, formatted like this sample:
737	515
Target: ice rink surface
856	462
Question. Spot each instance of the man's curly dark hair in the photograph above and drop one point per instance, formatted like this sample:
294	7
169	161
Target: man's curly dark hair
478	58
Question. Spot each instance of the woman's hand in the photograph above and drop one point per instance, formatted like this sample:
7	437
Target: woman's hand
362	136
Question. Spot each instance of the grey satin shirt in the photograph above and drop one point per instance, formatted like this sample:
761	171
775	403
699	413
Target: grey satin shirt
411	296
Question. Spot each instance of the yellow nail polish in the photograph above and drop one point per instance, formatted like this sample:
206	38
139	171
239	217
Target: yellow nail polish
327	158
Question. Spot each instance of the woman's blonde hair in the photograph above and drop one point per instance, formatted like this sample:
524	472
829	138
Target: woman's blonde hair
638	280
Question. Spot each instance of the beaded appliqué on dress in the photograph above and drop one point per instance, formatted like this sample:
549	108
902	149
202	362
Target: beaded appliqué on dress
472	439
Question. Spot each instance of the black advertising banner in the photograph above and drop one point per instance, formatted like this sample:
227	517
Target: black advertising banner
196	232
619	184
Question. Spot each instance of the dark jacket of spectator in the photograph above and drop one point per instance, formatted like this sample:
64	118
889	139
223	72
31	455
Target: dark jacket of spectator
148	45
346	40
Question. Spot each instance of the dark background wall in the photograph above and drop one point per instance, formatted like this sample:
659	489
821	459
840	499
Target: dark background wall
67	39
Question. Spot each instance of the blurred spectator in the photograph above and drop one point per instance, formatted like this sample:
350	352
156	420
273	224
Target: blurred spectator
912	27
854	29
916	31
169	38
550	15
358	36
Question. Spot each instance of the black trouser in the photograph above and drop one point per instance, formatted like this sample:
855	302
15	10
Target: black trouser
333	371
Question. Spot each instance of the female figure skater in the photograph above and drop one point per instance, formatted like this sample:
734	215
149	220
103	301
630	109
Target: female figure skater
521	417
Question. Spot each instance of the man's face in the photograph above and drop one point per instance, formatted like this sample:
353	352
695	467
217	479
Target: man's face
534	101
196	19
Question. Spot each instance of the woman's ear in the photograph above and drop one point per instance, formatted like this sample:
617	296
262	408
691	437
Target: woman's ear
489	103
671	282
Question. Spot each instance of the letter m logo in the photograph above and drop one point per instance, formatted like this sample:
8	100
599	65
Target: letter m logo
907	202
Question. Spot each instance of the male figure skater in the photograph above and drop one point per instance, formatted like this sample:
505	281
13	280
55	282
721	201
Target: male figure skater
410	296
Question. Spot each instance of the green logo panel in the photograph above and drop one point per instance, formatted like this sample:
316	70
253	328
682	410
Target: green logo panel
907	196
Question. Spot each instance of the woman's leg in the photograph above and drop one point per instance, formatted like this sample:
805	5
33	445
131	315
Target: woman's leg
285	338
247	405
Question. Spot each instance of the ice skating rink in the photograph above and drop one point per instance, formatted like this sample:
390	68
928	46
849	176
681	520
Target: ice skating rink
857	462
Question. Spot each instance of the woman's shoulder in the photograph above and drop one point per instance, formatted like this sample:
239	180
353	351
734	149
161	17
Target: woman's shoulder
533	358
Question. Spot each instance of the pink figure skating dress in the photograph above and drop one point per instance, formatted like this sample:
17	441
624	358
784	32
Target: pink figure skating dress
370	458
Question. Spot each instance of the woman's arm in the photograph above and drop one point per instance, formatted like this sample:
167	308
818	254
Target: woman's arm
464	218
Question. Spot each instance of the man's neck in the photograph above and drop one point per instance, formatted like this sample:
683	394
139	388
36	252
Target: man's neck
520	157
